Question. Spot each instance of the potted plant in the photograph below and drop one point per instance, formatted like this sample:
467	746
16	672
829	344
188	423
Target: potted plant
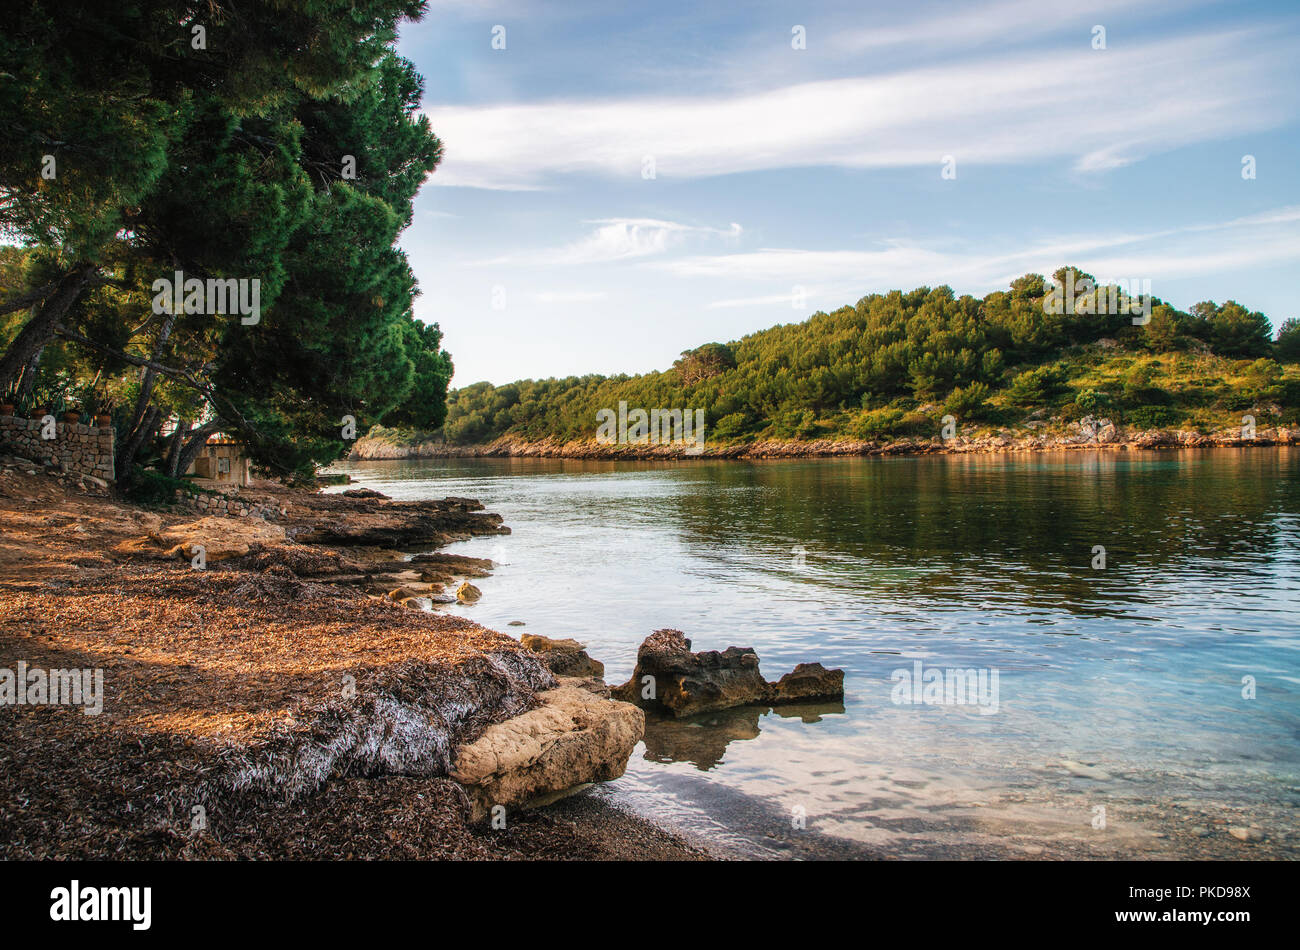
45	401
96	407
71	417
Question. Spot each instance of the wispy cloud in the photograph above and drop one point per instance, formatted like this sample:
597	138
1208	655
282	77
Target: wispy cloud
1097	109
616	239
1264	239
1006	21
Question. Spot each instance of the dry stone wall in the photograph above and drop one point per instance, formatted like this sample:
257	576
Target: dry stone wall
85	450
229	506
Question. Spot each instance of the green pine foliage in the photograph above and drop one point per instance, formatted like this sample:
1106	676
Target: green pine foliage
283	144
892	365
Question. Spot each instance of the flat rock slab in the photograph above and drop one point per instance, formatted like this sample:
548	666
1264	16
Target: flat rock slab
220	538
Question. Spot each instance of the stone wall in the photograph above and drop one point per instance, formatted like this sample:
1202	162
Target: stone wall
228	506
82	449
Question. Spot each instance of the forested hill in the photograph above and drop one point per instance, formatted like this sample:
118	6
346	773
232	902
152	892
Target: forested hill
895	363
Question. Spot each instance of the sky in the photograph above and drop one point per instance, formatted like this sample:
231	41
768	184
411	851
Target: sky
621	182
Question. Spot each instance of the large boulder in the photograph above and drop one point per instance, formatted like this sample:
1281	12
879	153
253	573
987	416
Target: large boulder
670	677
573	738
687	683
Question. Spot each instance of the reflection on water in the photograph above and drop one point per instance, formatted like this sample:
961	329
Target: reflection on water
701	740
1133	671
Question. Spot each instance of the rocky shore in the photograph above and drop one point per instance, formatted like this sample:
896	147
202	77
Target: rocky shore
669	677
1087	433
268	693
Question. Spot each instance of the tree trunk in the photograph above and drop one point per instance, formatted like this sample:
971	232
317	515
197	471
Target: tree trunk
137	430
40	329
131	447
198	438
29	378
150	377
174	450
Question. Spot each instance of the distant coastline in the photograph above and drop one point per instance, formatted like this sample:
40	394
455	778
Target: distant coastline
1117	438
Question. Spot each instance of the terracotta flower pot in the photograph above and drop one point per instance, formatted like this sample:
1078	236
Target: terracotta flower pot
103	420
6	409
72	417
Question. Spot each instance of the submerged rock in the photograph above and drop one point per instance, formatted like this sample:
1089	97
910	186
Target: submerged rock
1084	770
670	676
564	657
1246	834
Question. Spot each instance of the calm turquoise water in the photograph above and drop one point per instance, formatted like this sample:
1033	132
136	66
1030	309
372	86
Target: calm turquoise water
1119	688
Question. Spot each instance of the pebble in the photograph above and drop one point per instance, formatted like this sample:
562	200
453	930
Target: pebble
1246	834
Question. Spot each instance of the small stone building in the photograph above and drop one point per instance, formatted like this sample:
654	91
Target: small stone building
223	463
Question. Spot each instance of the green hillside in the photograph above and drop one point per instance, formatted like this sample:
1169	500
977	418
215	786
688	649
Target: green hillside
895	363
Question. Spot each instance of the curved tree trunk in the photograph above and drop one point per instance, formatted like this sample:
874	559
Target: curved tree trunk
40	329
198	438
174	450
136	431
29	377
150	376
131	447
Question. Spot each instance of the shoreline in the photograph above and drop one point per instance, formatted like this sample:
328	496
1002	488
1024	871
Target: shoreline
268	706
211	672
374	450
675	748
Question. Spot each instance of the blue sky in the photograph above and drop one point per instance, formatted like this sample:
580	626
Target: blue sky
787	181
